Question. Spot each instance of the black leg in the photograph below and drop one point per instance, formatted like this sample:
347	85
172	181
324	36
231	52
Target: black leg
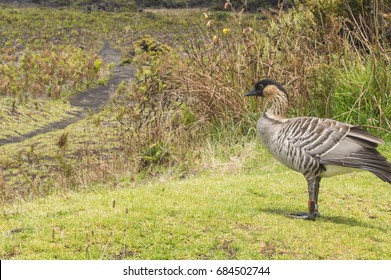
317	186
313	192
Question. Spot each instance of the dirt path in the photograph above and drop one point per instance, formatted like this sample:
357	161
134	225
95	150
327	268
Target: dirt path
89	100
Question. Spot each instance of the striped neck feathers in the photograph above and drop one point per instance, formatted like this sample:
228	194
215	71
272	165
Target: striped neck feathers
277	102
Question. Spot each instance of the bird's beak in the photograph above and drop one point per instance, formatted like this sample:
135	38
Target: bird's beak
251	93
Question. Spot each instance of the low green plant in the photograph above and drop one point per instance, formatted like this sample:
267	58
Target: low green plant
49	72
153	154
361	92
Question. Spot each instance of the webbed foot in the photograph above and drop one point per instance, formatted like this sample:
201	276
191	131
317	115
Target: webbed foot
305	215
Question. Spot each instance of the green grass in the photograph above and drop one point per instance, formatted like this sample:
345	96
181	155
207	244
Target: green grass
18	119
38	166
236	215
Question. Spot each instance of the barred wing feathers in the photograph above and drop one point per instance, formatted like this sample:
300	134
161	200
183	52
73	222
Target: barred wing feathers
336	143
358	150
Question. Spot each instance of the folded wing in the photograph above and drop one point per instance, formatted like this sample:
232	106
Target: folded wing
340	144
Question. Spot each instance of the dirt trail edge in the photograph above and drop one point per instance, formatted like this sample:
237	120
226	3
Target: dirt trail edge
90	100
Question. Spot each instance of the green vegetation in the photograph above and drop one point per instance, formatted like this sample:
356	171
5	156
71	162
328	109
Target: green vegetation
18	118
227	216
46	55
171	166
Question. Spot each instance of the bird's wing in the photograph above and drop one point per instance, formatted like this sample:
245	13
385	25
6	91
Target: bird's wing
315	136
340	144
358	150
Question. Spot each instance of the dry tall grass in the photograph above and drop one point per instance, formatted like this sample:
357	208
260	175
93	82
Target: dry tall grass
312	60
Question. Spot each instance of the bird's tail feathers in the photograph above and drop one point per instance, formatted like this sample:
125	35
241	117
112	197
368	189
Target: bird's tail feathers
370	160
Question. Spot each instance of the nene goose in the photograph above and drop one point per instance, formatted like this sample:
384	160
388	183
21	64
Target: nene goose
315	147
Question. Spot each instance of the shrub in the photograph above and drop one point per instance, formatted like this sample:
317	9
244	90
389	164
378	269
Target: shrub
151	119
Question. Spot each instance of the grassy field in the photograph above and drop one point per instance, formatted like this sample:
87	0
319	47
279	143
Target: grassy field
236	215
170	167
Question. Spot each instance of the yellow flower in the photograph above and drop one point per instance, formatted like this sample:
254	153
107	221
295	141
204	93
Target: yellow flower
209	24
205	15
226	30
215	39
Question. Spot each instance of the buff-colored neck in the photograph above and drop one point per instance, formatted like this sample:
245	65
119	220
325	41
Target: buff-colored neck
277	102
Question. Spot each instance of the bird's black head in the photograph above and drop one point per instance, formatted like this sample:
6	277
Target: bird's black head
266	88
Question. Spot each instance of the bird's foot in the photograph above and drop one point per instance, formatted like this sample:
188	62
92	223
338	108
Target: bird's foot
305	215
